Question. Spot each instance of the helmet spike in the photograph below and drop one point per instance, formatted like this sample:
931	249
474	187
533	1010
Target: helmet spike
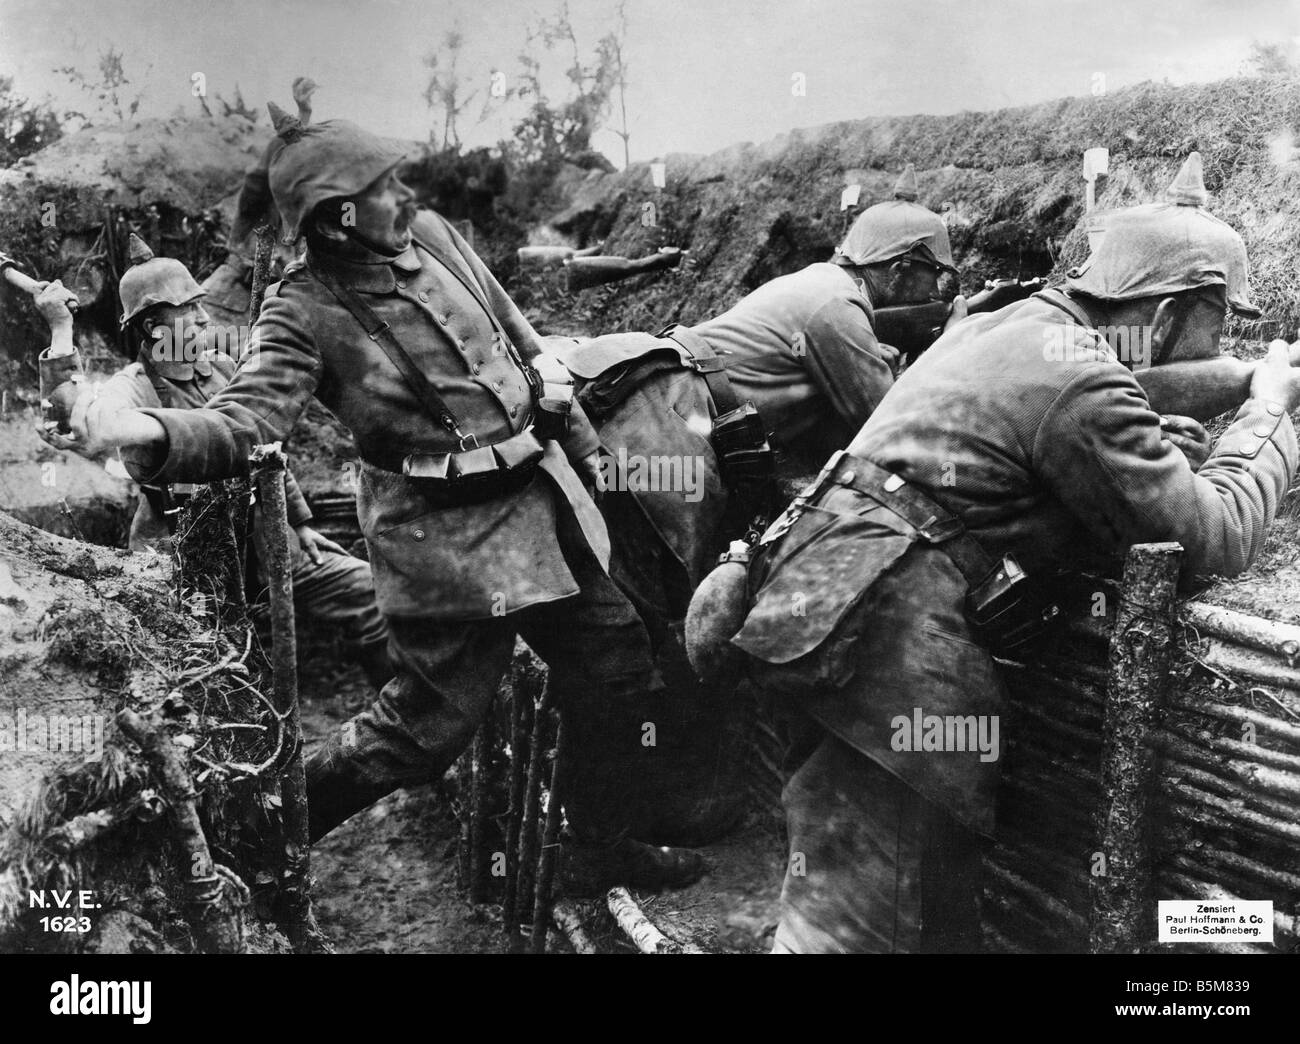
288	128
138	251
905	186
1188	188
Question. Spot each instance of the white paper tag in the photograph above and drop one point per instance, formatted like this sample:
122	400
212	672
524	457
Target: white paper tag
1215	920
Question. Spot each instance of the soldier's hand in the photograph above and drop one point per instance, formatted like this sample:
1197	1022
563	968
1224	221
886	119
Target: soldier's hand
957	313
313	543
1189	436
1275	378
77	438
55	302
889	355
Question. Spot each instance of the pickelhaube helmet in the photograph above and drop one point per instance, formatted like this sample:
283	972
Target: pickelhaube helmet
153	280
895	228
310	164
1164	248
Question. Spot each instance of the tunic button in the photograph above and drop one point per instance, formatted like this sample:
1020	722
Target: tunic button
401	284
846	477
462	345
1264	431
418	534
478	367
444	318
497	386
1274	409
424	295
514	410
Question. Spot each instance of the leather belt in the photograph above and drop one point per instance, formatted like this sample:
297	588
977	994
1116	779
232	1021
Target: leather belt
707	364
934	524
468	476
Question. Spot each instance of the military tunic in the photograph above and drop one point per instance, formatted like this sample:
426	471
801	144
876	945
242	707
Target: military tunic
457	583
1024	424
452	317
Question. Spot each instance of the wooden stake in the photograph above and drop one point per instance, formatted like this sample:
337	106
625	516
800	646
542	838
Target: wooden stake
521	706
264	238
550	844
1141	653
268	467
528	826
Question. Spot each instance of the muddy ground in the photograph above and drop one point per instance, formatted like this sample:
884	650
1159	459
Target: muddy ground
386	879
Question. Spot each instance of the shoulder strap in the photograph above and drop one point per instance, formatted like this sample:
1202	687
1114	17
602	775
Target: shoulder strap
937	525
380	332
707	365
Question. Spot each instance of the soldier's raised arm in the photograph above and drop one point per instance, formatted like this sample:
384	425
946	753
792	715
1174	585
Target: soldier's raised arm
846	360
1100	451
279	374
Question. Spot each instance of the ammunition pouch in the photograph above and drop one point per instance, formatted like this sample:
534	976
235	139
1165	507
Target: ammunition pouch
744	455
1005	608
739	439
552	399
474	473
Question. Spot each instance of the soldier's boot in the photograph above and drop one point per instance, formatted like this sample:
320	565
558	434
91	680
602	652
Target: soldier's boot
602	796
337	789
590	867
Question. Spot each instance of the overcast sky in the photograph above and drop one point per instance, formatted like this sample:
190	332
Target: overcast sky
703	73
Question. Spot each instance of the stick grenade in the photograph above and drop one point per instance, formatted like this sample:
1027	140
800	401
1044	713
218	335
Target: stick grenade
1141	652
532	790
265	240
521	704
61	373
268	466
550	845
22	281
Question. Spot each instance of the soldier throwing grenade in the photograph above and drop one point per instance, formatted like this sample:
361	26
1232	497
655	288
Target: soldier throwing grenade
477	523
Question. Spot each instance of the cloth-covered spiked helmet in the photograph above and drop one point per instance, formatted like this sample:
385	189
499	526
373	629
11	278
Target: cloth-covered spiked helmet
154	280
1163	248
896	228
307	165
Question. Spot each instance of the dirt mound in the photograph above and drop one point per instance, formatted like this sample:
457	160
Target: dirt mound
67	211
1010	183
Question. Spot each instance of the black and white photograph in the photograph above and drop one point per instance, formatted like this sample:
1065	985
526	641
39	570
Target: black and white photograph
651	477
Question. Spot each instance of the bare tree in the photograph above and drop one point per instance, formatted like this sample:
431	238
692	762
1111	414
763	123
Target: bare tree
445	91
611	50
108	92
1274	59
